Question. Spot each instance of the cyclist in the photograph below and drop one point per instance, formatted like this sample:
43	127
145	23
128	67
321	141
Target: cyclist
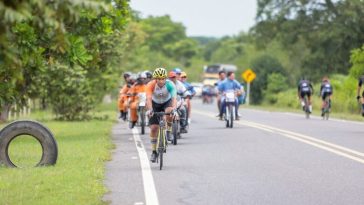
305	88
138	87
230	84
222	76
149	76
181	90
325	90
191	89
360	83
161	96
122	95
178	72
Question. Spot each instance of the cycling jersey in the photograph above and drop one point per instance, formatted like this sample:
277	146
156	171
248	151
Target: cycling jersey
190	87
181	89
161	95
305	86
326	88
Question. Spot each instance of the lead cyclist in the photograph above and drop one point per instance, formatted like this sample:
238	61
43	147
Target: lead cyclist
161	97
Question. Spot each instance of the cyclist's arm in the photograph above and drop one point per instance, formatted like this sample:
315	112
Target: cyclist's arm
173	91
149	90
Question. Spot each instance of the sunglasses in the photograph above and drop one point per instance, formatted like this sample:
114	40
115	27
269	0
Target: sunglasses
184	77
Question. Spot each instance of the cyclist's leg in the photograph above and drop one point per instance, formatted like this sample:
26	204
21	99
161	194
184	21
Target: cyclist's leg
362	103
237	108
134	112
154	126
188	102
223	106
302	95
218	99
309	101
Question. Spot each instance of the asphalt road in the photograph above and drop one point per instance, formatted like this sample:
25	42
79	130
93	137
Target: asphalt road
267	158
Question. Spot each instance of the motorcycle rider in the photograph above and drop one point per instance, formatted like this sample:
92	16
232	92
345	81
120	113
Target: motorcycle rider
229	84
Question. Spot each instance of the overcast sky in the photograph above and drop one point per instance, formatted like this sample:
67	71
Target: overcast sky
214	18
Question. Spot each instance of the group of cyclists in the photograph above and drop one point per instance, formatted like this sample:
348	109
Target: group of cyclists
305	88
162	89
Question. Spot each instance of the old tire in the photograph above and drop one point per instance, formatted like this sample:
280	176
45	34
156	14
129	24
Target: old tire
31	128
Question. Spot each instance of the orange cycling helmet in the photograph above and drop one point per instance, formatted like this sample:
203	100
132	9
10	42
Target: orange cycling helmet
171	74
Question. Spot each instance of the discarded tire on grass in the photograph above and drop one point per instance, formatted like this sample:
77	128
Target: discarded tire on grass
34	129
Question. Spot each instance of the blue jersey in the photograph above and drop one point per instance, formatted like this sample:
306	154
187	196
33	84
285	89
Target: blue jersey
228	84
189	87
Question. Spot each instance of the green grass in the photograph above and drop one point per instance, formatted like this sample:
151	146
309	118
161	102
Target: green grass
77	178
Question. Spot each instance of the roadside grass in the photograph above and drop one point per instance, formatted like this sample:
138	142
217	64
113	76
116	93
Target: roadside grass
77	178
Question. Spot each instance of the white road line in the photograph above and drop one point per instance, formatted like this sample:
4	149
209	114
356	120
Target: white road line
333	148
150	192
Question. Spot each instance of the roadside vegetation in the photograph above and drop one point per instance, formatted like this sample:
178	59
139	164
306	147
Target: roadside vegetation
77	178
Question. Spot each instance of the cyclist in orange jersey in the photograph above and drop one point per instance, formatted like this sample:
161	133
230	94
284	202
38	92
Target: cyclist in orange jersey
122	94
138	87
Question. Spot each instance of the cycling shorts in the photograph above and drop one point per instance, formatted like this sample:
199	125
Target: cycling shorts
324	94
303	93
159	108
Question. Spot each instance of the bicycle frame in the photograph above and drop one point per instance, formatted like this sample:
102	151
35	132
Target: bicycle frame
307	109
326	108
161	139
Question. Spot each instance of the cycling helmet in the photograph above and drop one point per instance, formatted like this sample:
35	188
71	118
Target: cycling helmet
127	74
171	74
183	74
148	74
142	75
133	77
160	73
177	70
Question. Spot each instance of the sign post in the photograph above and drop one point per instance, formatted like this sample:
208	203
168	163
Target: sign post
248	75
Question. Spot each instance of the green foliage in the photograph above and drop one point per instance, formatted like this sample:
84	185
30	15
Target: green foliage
357	61
263	66
322	29
276	83
82	38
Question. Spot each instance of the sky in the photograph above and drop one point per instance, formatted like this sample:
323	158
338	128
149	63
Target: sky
212	18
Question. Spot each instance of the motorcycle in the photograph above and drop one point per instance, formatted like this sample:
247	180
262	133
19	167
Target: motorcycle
230	100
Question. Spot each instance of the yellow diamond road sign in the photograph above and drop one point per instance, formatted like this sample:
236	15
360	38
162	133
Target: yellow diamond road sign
248	75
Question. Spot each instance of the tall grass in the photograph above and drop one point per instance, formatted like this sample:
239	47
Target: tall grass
77	178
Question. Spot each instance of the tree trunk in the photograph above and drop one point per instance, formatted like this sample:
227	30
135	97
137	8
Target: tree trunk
4	112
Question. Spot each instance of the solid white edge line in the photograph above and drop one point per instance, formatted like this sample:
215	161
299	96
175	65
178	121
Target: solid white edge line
150	192
306	139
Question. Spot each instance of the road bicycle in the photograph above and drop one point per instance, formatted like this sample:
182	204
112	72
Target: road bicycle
141	111
161	139
306	107
326	108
